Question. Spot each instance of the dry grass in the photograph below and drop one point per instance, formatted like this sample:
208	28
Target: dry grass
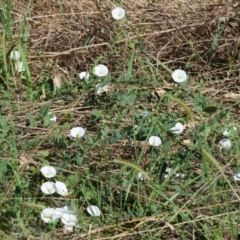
71	35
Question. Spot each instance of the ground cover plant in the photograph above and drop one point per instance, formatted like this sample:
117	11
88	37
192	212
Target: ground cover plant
119	119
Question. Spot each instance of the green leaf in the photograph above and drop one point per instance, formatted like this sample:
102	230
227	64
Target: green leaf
128	100
105	81
121	77
31	120
44	110
130	66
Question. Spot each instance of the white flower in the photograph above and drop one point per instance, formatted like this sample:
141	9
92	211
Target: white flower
229	131
68	209
53	118
140	176
225	144
100	70
136	129
49	215
69	219
179	76
83	75
48	188
15	55
167	172
77	132
177	129
19	66
61	188
100	90
144	114
59	212
118	13
155	141
180	175
67	228
94	211
48	171
65	209
236	176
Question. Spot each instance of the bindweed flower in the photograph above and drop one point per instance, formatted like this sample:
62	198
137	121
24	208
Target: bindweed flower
229	131
68	209
69	219
140	176
19	66
100	90
118	13
136	129
144	114
61	188
167	172
48	188
65	209
59	212
177	129
225	144
179	76
15	55
100	70
84	75
94	211
236	176
180	175
48	215
155	141
77	132
52	118
48	171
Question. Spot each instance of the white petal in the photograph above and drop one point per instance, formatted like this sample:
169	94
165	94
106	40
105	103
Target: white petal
179	76
118	13
77	132
59	212
69	209
83	75
100	70
236	176
69	219
154	141
48	171
61	188
94	211
19	66
100	90
180	175
48	215
15	55
48	188
168	170
145	114
66	209
67	228
177	129
53	117
225	144
140	176
228	131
